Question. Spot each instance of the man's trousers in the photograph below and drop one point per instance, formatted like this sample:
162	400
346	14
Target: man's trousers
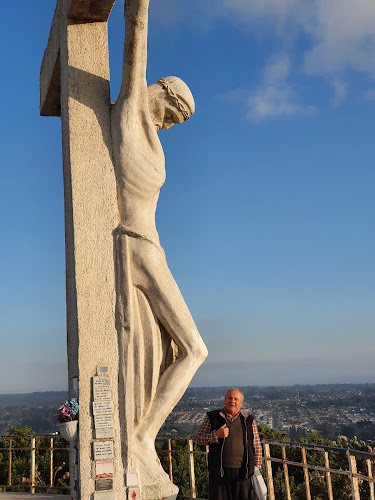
232	486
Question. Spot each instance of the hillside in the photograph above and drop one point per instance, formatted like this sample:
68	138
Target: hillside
36	409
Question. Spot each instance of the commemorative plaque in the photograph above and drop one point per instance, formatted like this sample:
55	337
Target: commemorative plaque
103	421
104	433
102	382
103	450
103	469
102	407
102	393
108	495
104	484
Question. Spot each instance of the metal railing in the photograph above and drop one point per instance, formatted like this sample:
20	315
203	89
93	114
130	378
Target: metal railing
16	451
321	467
320	471
191	453
291	469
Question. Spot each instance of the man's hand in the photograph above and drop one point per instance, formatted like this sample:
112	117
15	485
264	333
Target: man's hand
223	432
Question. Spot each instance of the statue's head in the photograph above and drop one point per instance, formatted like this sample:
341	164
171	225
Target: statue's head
170	102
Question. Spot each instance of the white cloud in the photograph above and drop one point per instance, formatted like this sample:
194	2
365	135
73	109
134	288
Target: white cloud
280	13
342	31
336	36
271	101
339	34
277	70
340	89
275	96
343	37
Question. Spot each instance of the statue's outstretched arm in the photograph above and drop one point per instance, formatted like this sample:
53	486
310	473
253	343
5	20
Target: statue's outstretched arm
134	83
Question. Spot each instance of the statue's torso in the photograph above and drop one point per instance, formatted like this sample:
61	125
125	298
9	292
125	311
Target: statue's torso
140	173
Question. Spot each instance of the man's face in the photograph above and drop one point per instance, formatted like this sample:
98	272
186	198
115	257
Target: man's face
233	402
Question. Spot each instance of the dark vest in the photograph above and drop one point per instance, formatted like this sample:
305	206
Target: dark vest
215	463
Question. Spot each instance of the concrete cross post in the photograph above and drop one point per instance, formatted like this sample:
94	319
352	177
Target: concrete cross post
74	84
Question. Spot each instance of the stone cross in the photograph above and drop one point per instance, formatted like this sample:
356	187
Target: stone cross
75	85
126	317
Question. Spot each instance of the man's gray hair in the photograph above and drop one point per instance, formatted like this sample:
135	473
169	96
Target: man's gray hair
235	389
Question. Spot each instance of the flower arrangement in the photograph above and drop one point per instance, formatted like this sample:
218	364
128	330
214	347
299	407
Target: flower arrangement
68	411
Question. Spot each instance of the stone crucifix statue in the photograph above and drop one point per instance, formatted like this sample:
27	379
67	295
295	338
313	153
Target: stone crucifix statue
159	345
124	309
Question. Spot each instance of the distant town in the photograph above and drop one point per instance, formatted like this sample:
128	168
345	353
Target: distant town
329	409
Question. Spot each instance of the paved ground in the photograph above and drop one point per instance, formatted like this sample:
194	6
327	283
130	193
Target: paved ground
24	496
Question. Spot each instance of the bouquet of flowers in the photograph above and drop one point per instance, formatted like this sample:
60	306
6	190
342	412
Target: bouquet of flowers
68	411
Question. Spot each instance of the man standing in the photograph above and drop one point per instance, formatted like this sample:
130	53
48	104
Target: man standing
235	449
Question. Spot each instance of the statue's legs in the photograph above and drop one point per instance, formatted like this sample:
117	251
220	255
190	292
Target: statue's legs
150	273
153	319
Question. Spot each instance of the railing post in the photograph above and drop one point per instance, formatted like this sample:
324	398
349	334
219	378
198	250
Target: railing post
354	480
285	465
306	474
170	459
328	476
191	469
32	466
51	464
271	491
10	463
370	483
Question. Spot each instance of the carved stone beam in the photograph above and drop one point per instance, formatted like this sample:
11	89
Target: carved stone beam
79	11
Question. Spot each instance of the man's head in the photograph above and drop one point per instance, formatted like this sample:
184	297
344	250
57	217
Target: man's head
170	102
233	401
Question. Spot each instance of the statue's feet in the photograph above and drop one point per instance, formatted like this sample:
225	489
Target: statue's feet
151	474
146	456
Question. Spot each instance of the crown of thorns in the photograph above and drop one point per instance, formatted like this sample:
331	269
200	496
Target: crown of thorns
185	113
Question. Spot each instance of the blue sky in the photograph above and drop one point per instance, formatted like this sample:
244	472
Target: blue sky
267	214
